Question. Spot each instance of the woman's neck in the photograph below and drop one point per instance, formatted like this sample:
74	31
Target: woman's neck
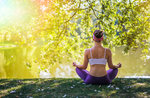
97	44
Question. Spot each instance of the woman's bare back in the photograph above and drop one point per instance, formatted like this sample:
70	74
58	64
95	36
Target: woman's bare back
97	70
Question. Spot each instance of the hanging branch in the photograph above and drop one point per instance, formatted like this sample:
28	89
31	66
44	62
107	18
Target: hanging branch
73	13
64	26
93	10
90	6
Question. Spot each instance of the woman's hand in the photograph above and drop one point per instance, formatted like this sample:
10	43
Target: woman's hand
119	65
74	64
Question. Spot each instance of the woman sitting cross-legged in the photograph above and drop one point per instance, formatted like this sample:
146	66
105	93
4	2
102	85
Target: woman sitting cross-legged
97	56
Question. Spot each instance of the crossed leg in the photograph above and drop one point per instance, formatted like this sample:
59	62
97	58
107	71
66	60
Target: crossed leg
82	73
112	73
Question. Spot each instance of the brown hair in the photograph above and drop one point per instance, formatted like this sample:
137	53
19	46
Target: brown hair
98	33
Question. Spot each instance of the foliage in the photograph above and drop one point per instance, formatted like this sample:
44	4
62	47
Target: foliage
125	23
64	28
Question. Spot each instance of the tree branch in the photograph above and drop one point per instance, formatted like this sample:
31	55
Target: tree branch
92	9
58	37
74	13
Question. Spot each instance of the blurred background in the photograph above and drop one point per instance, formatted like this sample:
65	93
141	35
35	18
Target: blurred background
41	38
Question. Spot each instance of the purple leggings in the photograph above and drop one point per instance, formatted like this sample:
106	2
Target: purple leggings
88	79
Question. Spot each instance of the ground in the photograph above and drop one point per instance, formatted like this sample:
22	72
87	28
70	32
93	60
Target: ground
74	87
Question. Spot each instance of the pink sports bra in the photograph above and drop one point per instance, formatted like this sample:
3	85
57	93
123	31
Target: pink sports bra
98	61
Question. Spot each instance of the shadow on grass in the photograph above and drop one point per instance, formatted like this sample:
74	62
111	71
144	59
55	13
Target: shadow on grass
73	87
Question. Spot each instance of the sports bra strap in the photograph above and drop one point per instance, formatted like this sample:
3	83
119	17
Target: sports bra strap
91	53
105	53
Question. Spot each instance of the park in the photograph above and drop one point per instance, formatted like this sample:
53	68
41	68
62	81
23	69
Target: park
40	39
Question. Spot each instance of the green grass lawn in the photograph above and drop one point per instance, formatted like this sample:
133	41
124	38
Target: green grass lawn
73	87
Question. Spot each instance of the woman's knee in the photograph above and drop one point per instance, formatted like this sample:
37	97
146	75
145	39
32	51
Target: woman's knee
116	70
77	69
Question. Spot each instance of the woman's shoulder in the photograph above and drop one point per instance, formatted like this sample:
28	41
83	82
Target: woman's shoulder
87	50
108	50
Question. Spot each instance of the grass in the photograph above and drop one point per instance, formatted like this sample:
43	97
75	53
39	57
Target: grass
74	87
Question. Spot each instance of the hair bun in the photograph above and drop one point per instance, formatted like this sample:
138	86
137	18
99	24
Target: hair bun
98	33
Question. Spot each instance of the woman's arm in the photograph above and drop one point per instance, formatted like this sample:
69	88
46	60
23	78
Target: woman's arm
110	64
85	63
